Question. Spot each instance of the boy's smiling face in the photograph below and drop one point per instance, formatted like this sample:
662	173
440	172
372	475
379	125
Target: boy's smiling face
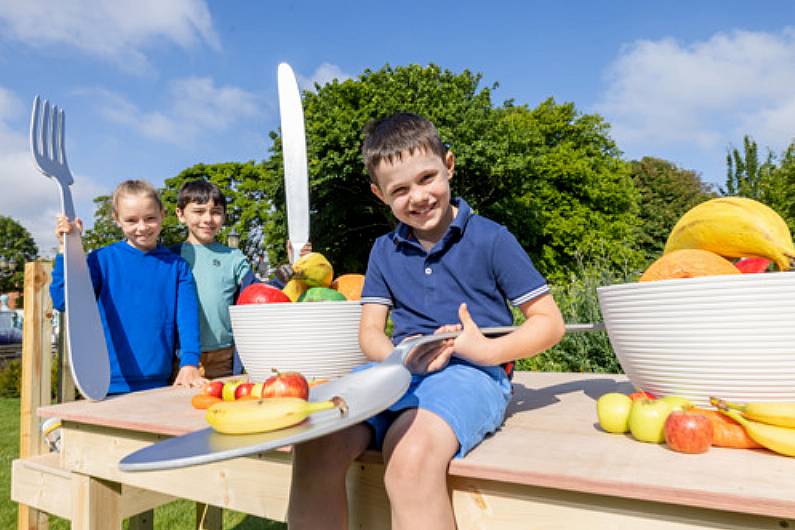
417	190
202	220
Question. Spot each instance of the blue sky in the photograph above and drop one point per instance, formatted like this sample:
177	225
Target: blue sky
152	87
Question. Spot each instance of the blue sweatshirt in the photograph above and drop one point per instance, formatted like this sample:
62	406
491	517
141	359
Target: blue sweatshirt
146	300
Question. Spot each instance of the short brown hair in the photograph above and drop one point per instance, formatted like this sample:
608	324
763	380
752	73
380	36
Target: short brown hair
388	138
200	191
134	187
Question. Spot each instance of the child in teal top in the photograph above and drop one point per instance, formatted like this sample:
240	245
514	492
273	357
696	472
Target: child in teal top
219	272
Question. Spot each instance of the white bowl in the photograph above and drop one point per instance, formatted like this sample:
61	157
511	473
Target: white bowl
318	339
727	336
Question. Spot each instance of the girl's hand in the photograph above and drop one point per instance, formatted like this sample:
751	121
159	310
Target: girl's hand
190	377
64	226
471	344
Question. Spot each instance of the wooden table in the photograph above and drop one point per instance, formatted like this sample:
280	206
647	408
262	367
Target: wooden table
549	467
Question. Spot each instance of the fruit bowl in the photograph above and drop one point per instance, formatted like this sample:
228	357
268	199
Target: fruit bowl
318	339
726	336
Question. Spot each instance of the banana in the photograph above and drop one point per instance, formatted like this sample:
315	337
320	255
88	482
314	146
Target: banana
294	289
781	414
734	227
264	415
314	270
778	439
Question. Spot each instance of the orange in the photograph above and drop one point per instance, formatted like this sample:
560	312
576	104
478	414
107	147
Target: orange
350	285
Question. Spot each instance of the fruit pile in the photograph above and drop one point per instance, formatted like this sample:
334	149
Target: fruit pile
712	233
310	279
689	429
240	407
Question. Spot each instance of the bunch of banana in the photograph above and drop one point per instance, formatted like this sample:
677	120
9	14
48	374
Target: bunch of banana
264	415
734	227
771	425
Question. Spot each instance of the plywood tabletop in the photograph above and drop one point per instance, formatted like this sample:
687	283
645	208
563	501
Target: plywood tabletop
550	439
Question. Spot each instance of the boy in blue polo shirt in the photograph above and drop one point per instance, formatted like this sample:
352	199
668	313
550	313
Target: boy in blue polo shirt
444	268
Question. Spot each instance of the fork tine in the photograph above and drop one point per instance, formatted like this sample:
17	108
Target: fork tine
45	131
35	142
52	144
61	146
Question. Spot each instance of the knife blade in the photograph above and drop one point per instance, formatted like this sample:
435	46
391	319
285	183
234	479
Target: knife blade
296	177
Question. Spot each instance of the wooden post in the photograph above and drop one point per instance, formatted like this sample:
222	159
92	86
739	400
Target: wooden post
66	385
36	379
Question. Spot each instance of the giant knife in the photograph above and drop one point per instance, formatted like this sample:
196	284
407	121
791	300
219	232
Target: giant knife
296	178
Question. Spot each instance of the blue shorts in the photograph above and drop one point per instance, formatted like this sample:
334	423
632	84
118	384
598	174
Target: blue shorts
470	399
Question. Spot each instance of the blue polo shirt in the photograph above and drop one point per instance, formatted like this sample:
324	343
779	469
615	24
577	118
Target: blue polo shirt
478	262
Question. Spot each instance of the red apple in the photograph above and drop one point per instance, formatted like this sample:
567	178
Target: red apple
285	384
213	388
261	293
641	395
752	265
243	390
688	432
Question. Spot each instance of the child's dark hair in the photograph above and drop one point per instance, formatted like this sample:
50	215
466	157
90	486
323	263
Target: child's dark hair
388	138
200	191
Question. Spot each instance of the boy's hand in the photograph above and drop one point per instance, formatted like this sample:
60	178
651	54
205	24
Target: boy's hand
306	249
471	344
64	226
190	377
432	357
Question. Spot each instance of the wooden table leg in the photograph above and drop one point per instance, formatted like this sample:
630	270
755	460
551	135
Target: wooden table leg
209	517
95	503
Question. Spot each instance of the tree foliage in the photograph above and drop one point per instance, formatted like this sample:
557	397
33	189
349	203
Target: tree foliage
666	193
105	230
771	182
18	245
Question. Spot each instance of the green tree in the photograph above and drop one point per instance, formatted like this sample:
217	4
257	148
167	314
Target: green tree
16	244
104	231
551	175
666	192
771	182
567	194
745	176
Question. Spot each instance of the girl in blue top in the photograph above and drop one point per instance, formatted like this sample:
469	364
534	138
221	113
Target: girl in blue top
146	296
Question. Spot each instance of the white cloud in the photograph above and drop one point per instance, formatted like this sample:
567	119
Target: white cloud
323	74
703	96
196	106
27	196
118	31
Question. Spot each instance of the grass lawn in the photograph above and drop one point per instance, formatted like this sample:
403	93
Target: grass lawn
175	516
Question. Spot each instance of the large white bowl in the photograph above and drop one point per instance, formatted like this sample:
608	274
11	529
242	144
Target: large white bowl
727	336
318	339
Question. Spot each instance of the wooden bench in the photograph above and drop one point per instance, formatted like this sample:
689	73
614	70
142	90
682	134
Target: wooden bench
549	466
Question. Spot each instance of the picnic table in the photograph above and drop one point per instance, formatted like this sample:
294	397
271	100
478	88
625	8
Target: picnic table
550	466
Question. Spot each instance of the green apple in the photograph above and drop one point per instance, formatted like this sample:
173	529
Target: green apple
612	409
228	392
678	402
257	390
647	420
